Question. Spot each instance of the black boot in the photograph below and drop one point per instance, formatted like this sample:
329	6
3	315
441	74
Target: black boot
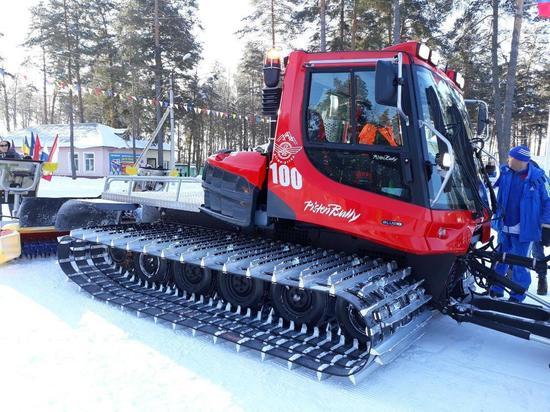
542	288
496	294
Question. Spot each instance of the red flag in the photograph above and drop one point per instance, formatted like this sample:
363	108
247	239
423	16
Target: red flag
37	149
544	8
52	157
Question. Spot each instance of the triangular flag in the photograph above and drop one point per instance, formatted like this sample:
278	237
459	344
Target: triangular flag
25	147
37	149
31	148
52	157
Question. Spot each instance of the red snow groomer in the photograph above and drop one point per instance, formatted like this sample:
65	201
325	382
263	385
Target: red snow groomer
330	246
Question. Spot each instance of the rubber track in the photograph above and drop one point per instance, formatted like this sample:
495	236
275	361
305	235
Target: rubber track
324	352
392	306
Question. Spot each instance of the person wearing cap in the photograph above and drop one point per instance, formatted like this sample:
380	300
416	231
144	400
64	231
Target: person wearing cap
523	206
7	152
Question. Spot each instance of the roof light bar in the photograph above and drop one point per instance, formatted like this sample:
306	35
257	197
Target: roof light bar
428	55
456	77
459	80
423	51
435	58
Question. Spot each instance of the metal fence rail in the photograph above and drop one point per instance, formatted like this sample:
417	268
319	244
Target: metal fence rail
182	193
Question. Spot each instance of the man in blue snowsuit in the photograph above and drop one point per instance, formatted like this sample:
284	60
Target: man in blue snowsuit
523	207
537	251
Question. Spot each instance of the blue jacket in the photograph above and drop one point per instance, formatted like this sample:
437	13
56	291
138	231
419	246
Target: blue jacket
534	204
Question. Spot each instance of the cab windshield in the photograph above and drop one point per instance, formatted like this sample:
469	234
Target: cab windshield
442	107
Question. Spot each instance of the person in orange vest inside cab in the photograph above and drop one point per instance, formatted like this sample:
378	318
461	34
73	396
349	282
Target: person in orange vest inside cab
377	132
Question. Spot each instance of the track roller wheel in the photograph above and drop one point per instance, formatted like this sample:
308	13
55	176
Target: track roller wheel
300	305
241	291
351	322
193	279
150	268
118	256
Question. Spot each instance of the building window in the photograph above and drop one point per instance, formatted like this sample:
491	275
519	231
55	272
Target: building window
76	168
89	162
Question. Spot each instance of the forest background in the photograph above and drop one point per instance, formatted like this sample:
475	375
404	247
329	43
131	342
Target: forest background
110	61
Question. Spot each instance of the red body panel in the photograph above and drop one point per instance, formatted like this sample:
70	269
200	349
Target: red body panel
250	165
317	199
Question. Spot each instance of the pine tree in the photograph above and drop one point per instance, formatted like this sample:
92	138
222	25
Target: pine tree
137	44
258	25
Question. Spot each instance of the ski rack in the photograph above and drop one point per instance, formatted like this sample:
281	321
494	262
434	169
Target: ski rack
84	257
167	192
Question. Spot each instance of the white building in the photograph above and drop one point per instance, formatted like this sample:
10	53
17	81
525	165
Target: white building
99	150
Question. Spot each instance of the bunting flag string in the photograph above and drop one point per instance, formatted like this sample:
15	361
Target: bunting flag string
186	107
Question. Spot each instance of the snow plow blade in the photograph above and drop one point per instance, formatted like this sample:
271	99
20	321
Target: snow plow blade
37	212
96	260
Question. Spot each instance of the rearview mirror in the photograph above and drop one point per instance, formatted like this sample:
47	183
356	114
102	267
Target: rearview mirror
482	115
481	119
386	83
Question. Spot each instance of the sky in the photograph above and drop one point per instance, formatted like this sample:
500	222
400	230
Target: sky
219	19
14	23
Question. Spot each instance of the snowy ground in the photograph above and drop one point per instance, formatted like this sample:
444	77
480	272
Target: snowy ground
63	351
65	186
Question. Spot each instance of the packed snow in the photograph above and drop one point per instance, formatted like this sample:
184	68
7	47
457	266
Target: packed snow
61	186
63	351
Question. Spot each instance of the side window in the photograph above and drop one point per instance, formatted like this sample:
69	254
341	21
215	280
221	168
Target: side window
373	171
376	124
342	109
329	108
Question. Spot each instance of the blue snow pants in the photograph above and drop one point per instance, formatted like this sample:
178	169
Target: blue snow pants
509	243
